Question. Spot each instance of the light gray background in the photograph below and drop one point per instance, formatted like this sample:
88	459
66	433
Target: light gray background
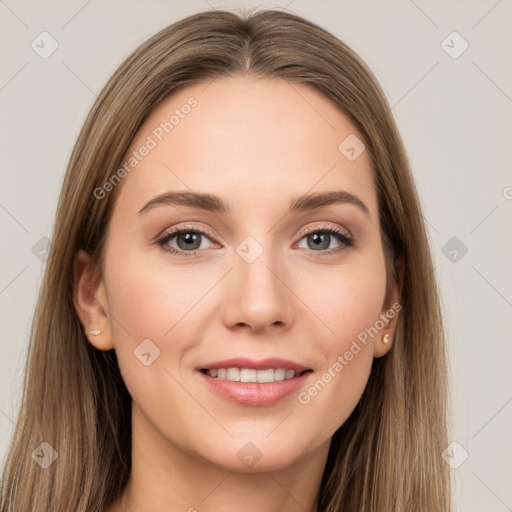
455	118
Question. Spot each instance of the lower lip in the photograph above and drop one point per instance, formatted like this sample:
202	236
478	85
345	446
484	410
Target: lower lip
254	393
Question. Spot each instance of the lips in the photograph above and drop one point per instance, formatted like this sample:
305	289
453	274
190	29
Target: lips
262	364
251	382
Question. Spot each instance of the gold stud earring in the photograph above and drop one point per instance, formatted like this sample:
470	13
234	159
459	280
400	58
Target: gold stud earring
385	340
94	332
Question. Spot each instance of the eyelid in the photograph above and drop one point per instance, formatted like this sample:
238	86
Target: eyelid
319	226
184	227
302	232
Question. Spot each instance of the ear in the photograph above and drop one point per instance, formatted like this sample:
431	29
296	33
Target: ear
90	301
391	308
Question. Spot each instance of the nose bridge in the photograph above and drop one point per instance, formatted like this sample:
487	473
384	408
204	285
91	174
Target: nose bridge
258	296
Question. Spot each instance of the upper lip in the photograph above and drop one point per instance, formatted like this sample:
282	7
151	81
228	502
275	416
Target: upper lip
261	364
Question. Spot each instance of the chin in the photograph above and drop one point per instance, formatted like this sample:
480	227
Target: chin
257	456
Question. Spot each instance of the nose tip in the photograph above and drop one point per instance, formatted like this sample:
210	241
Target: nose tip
257	297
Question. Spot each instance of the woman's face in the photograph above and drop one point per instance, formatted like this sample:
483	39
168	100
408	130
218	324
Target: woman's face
256	274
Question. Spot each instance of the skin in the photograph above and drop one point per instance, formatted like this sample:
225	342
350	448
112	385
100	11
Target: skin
257	144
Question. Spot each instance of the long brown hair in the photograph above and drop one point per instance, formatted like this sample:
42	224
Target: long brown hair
387	455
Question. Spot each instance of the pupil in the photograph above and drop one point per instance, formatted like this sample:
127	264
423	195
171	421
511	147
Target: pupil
190	239
321	240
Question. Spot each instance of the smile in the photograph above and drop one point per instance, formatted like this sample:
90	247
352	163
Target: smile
252	375
254	383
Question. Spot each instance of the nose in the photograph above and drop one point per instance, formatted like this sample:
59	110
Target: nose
258	297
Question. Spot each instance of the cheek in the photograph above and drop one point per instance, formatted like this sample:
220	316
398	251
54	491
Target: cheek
149	298
348	299
166	303
336	389
154	301
351	308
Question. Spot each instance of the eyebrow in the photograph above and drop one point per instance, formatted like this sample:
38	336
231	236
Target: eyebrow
213	203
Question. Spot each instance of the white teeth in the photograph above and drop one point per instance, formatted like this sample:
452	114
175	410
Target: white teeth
251	375
289	374
279	374
265	376
248	375
233	374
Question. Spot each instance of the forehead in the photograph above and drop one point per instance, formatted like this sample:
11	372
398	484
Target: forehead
249	140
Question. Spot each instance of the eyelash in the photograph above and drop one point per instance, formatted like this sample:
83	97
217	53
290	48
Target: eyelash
342	237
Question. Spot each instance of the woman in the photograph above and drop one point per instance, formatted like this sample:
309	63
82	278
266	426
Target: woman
238	310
